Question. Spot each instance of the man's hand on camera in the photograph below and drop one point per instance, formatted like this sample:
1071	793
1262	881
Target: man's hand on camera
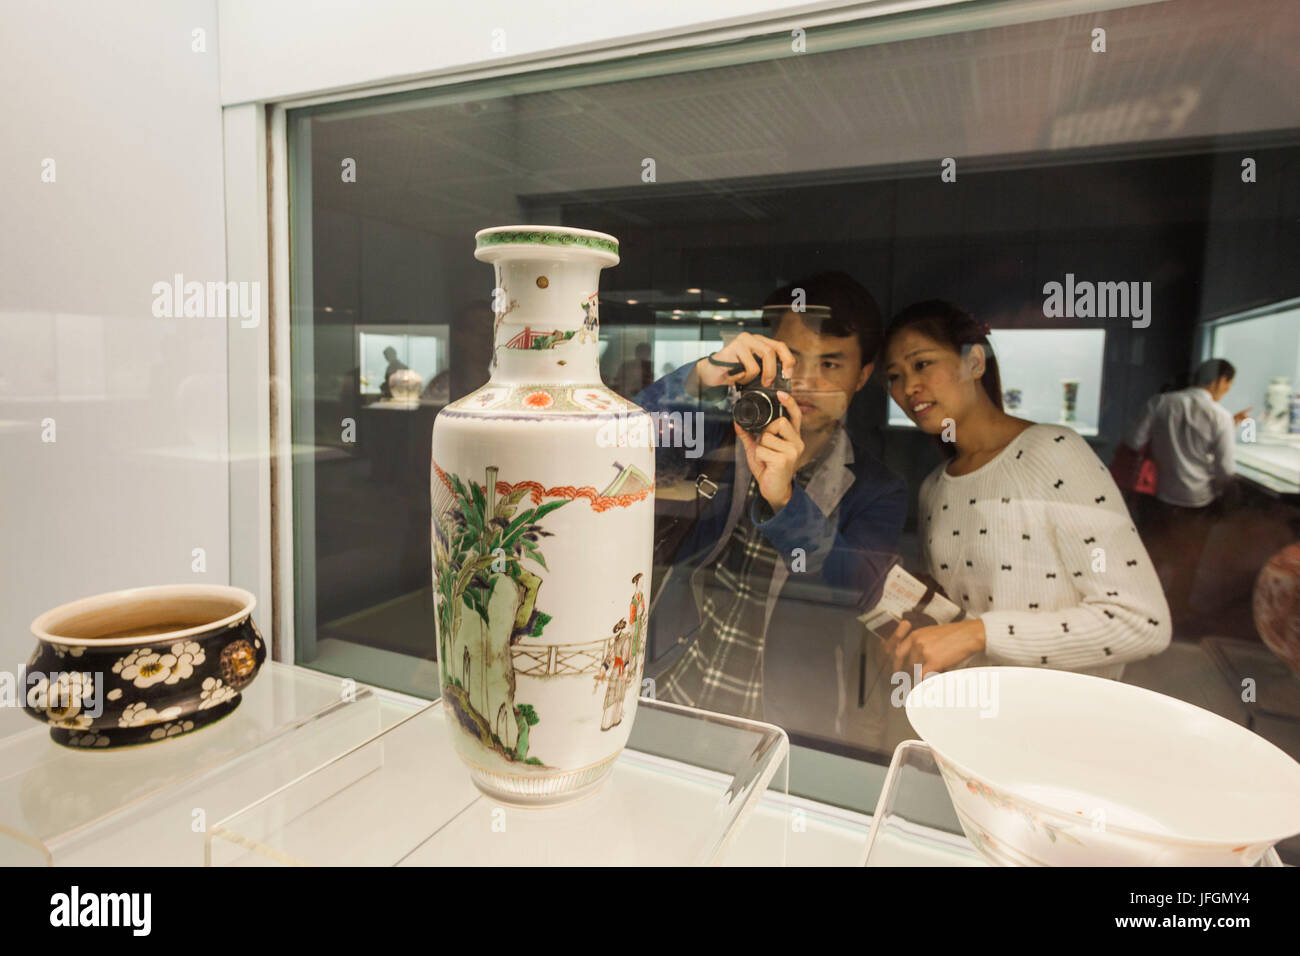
774	455
757	353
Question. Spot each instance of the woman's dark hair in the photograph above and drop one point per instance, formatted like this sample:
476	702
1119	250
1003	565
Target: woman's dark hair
853	311
951	327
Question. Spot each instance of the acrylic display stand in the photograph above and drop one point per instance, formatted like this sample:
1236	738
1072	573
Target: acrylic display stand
151	805
915	824
678	794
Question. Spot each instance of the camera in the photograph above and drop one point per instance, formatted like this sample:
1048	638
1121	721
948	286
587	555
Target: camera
756	404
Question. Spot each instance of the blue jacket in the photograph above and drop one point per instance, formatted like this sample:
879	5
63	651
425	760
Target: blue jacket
846	553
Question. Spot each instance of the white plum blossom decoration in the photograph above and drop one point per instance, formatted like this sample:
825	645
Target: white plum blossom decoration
62	701
141	714
143	668
189	655
91	739
171	730
79	722
214	692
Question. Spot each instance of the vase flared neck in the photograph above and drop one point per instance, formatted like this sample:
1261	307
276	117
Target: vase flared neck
545	303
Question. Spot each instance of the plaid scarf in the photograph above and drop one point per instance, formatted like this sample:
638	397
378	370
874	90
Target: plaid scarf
722	670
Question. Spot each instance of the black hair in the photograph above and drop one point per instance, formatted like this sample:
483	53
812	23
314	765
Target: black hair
1211	370
954	328
853	310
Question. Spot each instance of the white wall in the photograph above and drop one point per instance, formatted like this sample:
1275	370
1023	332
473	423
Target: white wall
294	47
136	477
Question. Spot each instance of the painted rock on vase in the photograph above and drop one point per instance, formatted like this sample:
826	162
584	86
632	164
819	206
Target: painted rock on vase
542	486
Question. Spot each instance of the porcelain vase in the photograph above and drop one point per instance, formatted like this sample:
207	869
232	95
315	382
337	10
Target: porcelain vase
1277	406
542	488
405	385
1069	398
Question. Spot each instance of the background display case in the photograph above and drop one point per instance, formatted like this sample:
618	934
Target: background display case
1034	364
421	348
1269	460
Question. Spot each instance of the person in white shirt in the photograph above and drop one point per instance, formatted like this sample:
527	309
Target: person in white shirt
1190	436
1022	526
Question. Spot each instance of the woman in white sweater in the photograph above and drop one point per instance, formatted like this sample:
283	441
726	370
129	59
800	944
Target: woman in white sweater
1023	525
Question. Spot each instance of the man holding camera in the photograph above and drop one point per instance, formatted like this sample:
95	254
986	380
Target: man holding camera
796	533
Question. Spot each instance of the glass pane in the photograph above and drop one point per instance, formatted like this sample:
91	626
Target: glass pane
1103	213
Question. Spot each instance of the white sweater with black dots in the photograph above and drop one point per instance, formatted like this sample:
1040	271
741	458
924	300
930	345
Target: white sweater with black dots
1038	544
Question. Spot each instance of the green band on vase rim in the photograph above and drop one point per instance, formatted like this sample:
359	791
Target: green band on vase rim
564	239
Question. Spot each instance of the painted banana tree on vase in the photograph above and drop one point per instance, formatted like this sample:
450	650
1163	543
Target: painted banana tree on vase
487	603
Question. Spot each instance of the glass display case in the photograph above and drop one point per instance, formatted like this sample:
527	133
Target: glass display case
1264	348
916	152
1049	181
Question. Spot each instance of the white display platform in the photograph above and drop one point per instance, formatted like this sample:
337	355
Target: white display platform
405	799
151	805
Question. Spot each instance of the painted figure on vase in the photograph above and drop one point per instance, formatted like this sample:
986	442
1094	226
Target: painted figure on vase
613	671
591	319
624	658
636	618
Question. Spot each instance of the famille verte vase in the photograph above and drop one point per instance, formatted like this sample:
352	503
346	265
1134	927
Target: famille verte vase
542	486
143	665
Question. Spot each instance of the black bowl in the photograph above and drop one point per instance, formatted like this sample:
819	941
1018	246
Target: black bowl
143	665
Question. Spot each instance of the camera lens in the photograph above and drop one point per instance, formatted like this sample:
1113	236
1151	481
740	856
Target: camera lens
752	411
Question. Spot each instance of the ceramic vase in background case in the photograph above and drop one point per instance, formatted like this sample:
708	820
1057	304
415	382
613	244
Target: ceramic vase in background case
542	488
1277	406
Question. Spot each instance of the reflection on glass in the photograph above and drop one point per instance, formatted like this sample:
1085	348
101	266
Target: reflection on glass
1036	364
385	349
1070	180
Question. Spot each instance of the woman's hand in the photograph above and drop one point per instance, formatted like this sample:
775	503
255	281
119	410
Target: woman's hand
937	648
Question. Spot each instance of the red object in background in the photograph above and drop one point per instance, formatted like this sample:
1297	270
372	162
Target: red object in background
1133	470
1148	477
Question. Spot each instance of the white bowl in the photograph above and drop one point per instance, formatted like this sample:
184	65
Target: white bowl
1052	768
